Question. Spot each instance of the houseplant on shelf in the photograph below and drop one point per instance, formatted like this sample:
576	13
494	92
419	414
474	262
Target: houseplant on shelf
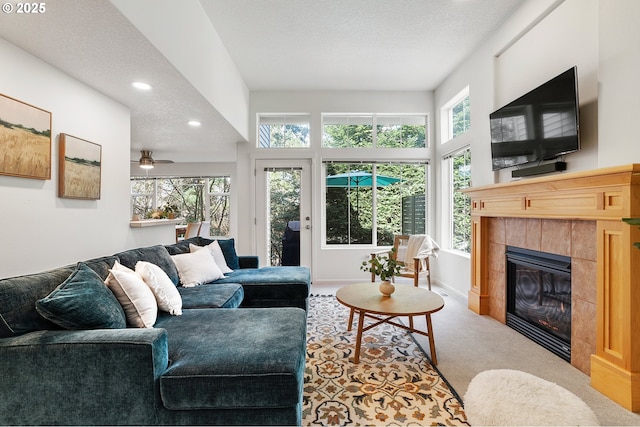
170	210
385	267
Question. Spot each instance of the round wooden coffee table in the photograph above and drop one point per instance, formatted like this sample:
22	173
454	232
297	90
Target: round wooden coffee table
366	300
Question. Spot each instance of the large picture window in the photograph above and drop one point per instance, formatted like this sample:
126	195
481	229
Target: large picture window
368	203
192	199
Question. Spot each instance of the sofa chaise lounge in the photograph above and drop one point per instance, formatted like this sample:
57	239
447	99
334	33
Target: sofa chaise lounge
235	356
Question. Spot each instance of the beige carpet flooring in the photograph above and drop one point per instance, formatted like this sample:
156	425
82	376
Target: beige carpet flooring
468	344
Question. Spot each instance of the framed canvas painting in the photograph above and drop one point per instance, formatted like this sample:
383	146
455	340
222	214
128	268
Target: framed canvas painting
80	164
25	140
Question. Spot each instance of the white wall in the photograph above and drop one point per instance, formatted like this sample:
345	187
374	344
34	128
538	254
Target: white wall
40	230
539	41
329	264
567	37
619	92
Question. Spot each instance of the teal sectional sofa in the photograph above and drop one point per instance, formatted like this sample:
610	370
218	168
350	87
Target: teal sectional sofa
235	356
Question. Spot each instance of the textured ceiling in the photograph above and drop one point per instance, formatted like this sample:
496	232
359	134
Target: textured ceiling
276	45
352	44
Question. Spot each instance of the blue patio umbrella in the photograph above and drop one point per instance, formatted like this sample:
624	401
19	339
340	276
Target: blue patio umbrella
359	179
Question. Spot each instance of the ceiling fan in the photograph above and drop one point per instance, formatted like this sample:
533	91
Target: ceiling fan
147	162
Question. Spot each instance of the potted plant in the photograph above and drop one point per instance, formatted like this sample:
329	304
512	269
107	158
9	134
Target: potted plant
170	210
156	214
386	267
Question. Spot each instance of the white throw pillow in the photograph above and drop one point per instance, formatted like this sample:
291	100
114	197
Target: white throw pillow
217	254
196	268
166	293
119	267
135	297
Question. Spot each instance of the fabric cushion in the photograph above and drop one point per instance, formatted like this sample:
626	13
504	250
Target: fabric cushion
82	302
182	247
166	293
272	282
134	295
18	296
157	255
101	265
228	250
272	286
196	268
216	253
223	295
244	358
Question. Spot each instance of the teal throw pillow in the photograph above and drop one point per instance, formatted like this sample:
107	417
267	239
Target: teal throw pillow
229	252
82	301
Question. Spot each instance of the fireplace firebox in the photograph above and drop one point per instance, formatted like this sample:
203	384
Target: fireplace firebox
539	298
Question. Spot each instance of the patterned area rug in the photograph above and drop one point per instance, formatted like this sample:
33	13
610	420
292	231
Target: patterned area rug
394	384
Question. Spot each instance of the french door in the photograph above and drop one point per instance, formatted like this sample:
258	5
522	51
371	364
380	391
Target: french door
283	212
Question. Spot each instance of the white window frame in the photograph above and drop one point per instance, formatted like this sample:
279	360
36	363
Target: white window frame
374	163
449	191
284	120
359	117
446	116
207	194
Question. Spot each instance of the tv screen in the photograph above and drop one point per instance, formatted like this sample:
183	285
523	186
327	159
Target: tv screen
540	125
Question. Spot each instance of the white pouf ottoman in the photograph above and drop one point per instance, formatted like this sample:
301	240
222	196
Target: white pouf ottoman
504	397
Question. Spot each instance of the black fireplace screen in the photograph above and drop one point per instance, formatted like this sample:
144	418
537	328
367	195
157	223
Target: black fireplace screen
539	297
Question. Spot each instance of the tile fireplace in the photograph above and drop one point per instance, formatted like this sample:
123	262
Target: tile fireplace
539	298
572	240
577	215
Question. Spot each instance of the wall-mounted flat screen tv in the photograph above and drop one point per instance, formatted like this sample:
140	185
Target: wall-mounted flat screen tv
540	125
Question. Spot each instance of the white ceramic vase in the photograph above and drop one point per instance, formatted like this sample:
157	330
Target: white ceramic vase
387	288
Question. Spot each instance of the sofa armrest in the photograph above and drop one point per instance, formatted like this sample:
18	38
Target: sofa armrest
113	373
248	261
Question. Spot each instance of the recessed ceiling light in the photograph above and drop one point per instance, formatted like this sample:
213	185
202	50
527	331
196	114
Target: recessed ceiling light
194	123
141	85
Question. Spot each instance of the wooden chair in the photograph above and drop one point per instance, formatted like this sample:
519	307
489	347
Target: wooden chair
205	229
420	262
193	228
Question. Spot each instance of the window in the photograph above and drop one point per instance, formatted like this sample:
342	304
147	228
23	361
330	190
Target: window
284	131
367	203
456	116
367	131
460	164
194	199
347	131
401	131
143	196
